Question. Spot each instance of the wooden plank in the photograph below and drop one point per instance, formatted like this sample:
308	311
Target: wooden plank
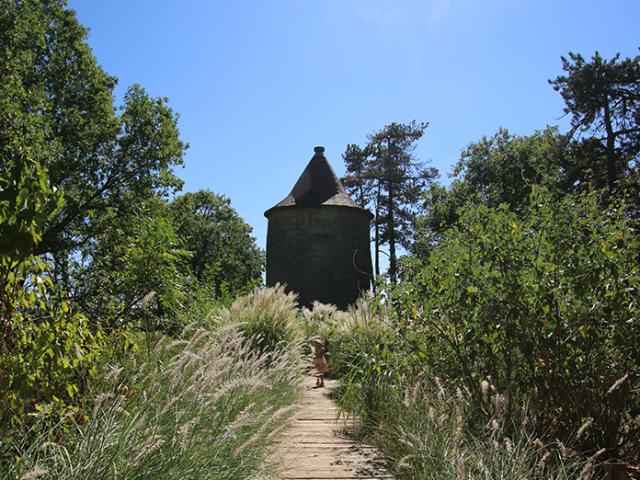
317	445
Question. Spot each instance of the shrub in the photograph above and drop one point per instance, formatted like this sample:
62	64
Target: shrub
47	349
267	318
543	307
432	431
546	306
47	353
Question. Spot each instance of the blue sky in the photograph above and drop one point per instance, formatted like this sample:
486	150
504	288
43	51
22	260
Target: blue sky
259	83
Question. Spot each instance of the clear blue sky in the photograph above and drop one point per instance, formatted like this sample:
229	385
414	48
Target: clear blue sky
259	83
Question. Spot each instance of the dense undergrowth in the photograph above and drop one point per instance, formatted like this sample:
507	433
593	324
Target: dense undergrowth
510	352
203	404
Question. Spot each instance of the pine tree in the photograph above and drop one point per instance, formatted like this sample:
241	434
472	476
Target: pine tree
385	176
603	99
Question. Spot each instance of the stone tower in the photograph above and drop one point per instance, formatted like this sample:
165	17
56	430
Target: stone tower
318	239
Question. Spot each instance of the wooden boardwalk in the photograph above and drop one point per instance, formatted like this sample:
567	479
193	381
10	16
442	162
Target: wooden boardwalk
316	445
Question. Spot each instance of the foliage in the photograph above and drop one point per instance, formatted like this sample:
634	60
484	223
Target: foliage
58	111
101	158
536	313
546	306
155	267
27	200
47	349
137	178
27	203
502	169
267	318
428	429
357	179
85	223
386	176
603	99
224	254
203	406
135	271
505	168
113	240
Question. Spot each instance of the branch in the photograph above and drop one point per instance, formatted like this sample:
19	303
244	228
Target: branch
626	131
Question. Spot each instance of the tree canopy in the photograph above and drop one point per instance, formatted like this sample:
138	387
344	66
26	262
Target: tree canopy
58	103
223	252
603	99
106	174
501	169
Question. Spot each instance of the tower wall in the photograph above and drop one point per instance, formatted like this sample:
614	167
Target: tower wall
321	253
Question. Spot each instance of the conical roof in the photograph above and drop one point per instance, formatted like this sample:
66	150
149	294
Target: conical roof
318	185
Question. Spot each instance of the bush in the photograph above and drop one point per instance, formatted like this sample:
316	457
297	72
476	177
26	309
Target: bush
432	431
47	353
546	306
543	308
267	318
47	349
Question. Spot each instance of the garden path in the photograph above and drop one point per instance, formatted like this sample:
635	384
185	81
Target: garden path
316	445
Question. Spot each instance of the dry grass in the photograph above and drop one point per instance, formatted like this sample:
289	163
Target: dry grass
430	430
268	319
206	407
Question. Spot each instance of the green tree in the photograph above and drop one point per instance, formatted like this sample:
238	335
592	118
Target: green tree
136	270
360	182
603	99
27	199
57	97
224	255
27	204
386	175
505	167
497	170
356	180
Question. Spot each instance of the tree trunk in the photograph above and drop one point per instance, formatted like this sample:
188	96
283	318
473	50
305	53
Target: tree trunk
391	227
612	174
377	234
392	240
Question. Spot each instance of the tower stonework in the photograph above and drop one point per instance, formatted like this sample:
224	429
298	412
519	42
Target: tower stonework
318	239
